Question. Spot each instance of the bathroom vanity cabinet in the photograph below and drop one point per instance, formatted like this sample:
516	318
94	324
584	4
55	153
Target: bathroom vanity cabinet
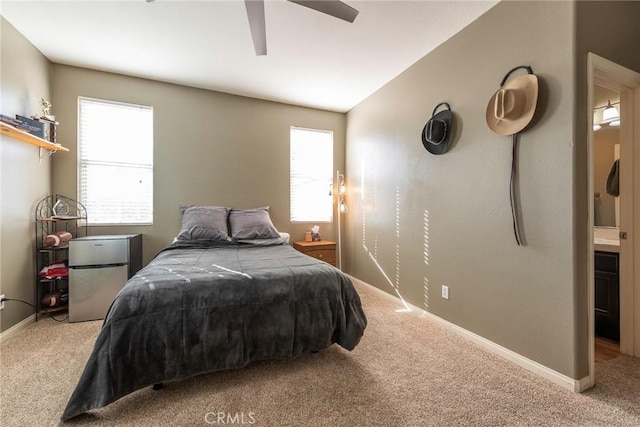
607	295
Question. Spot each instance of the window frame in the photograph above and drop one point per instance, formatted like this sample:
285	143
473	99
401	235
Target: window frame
79	160
329	182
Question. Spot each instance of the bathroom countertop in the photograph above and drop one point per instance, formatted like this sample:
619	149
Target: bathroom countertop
604	245
606	239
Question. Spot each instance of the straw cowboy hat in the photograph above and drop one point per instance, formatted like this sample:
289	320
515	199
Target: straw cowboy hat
511	108
437	132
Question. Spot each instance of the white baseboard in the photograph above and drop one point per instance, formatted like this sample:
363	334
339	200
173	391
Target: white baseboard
583	384
17	327
520	360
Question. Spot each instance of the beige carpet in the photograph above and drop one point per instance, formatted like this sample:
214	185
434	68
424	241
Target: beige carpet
407	371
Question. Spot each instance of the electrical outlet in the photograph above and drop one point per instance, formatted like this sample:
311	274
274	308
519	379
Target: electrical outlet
2	302
445	292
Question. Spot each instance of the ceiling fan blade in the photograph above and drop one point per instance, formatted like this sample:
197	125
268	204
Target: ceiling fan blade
334	8
255	13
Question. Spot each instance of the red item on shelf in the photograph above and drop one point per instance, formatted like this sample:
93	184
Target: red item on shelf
55	270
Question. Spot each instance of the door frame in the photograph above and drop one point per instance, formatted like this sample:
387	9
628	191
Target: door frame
605	73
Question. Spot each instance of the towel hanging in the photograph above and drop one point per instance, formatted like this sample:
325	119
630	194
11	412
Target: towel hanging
613	179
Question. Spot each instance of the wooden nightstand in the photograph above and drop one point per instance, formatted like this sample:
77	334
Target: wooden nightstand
324	250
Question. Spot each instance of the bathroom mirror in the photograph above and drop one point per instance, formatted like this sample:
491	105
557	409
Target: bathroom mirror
606	149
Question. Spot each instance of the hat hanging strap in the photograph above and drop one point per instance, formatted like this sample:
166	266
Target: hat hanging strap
512	188
526	67
514	163
440	105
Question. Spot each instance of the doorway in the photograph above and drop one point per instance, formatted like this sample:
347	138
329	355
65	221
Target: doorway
603	74
606	230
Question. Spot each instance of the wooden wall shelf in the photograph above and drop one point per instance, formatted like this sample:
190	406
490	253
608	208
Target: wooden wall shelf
23	136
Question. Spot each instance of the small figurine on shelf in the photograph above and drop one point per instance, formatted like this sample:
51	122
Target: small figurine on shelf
46	109
315	233
60	209
49	121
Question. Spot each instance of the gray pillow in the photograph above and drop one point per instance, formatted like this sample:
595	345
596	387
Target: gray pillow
204	223
251	224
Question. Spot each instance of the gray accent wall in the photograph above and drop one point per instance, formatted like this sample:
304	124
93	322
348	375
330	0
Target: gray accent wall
419	221
210	148
24	179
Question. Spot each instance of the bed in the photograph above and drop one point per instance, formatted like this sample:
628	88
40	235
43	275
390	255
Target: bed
204	305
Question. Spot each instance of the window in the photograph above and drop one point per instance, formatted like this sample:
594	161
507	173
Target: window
311	172
115	161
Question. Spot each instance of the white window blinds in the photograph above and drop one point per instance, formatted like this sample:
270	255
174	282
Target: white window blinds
115	145
311	172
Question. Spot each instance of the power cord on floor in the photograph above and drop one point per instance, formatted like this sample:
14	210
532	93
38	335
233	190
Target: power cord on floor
28	303
19	300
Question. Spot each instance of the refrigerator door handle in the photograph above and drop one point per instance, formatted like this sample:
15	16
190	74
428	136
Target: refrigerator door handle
85	267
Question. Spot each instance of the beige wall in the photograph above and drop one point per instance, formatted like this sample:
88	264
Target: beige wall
429	221
24	179
419	221
210	148
603	156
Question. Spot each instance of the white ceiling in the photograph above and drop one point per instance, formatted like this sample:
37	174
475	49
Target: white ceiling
313	59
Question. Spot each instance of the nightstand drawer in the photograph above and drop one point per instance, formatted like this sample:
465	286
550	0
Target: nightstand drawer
323	250
326	255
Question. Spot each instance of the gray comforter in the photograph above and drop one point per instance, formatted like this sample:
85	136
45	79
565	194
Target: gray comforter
199	308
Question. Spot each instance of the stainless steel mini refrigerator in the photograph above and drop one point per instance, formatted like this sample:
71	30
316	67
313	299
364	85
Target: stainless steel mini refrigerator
99	266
